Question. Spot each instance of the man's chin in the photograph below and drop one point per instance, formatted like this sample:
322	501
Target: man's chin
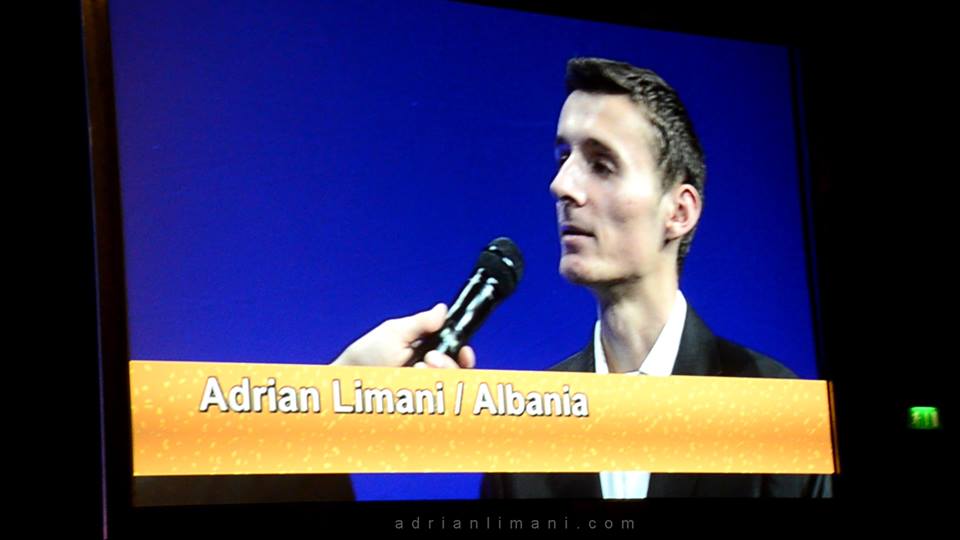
575	273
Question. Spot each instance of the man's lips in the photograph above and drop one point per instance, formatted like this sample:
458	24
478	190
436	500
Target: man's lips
573	230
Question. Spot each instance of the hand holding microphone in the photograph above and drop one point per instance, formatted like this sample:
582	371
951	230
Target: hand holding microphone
495	277
436	337
391	344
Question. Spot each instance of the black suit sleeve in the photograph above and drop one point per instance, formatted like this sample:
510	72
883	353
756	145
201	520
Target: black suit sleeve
797	486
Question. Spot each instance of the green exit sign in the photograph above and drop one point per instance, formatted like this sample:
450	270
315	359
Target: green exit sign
924	418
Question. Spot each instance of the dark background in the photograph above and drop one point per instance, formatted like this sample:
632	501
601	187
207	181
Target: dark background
879	114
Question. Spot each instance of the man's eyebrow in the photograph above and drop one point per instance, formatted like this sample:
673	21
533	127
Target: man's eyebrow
591	143
597	145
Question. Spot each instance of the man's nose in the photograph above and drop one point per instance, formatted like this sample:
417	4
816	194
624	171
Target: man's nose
567	185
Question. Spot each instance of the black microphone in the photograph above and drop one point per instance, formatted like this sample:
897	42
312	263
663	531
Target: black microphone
495	276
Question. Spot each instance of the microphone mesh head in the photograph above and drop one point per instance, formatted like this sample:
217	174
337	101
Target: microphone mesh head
502	258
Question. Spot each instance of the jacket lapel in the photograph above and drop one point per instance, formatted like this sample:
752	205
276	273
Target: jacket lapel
698	348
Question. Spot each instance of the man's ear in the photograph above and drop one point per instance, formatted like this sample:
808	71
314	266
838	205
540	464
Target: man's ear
683	213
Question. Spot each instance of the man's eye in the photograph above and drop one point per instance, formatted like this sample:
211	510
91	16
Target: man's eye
601	167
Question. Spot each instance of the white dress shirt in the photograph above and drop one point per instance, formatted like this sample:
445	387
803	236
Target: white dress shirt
659	361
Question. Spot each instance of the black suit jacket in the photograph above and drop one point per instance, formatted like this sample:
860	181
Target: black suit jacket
700	353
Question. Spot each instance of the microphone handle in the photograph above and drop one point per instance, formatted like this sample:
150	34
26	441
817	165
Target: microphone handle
468	313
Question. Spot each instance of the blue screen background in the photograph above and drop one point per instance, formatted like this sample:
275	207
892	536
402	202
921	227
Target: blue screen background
293	173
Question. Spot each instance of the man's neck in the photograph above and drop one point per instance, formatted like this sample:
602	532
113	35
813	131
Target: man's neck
632	315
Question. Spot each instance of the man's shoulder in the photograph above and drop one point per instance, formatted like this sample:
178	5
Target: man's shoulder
725	359
701	353
736	360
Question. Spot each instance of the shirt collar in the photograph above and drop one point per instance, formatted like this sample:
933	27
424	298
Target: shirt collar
663	355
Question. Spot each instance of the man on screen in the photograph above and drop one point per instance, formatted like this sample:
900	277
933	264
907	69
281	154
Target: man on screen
629	192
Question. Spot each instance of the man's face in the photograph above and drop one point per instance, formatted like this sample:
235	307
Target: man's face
611	210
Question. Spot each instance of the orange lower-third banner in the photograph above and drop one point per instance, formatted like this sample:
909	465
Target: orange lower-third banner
200	418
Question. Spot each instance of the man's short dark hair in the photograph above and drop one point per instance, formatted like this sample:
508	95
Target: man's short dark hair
678	153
